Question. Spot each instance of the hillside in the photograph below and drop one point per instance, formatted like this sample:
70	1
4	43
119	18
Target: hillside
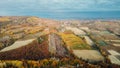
36	42
32	51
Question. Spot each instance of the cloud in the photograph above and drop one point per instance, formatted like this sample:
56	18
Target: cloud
24	6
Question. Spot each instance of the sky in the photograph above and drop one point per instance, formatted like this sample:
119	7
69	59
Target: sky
22	7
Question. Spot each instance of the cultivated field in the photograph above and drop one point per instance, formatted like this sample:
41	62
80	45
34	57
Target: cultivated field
76	30
91	55
89	41
18	44
110	37
112	52
116	44
114	57
32	51
55	46
74	42
114	60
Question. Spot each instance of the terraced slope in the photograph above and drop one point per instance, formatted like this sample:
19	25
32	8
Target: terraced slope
32	51
17	44
56	47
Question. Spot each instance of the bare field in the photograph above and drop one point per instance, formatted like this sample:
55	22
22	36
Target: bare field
91	55
114	57
76	30
116	44
113	52
114	60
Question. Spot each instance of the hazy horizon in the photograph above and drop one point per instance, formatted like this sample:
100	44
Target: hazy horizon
62	9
